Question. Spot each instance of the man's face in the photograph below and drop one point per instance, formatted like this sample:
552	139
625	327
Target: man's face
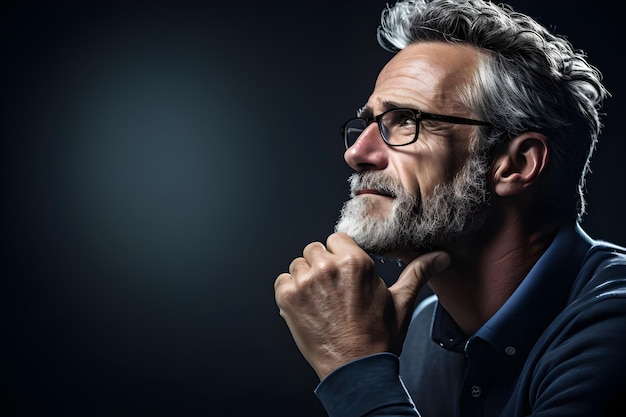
432	191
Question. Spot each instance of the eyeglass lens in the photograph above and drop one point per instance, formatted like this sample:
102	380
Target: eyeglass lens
397	127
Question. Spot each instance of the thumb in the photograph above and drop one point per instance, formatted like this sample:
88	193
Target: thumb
415	275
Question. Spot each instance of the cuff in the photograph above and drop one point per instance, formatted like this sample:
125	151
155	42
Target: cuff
363	386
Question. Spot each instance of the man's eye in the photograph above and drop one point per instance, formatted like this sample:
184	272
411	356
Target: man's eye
401	119
406	122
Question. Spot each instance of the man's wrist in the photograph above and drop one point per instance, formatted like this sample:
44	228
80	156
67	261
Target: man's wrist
363	385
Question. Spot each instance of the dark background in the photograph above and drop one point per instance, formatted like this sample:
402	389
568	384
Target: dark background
162	162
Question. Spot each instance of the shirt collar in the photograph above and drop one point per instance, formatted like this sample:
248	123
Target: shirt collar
515	327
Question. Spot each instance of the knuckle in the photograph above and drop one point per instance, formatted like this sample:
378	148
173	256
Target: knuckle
313	250
280	281
313	245
356	262
284	293
293	266
333	237
325	267
421	268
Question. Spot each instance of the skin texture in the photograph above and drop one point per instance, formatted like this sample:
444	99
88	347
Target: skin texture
335	305
338	309
419	77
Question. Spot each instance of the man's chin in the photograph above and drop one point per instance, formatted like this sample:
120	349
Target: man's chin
386	248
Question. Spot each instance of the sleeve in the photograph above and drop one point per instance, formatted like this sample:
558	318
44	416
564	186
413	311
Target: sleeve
369	386
583	371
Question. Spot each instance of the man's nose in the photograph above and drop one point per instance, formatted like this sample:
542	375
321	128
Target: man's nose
369	152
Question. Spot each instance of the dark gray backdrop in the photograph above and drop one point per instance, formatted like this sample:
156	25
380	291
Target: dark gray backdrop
163	161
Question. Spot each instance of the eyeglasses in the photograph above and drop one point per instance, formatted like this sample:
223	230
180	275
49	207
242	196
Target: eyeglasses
398	127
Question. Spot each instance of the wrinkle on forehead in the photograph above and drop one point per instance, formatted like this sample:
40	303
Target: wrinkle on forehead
429	75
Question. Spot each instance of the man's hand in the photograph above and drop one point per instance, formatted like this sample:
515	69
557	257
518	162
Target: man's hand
337	307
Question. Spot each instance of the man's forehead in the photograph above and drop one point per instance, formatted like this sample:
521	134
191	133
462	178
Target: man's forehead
424	76
443	54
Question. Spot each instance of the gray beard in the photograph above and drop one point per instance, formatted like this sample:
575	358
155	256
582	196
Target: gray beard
451	211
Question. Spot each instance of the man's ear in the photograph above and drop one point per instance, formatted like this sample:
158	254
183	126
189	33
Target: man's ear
519	164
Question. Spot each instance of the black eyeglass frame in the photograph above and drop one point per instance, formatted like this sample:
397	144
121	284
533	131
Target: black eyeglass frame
417	114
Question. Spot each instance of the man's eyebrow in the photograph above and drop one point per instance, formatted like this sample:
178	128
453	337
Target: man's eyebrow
390	105
367	112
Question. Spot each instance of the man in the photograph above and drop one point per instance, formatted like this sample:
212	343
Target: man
470	157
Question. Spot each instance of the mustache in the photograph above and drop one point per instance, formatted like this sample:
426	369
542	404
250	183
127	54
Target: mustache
378	181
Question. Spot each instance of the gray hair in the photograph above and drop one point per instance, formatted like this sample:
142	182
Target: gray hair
529	80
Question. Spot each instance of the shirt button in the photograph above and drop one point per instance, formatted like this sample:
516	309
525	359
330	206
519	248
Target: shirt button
476	391
510	350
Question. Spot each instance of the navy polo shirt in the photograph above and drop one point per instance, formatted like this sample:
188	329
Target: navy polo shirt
539	353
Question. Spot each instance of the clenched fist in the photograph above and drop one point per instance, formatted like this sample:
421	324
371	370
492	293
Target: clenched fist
338	309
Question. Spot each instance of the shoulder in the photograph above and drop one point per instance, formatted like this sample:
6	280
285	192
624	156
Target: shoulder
602	274
579	360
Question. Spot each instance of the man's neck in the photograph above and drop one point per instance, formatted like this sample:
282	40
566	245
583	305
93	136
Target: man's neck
487	267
